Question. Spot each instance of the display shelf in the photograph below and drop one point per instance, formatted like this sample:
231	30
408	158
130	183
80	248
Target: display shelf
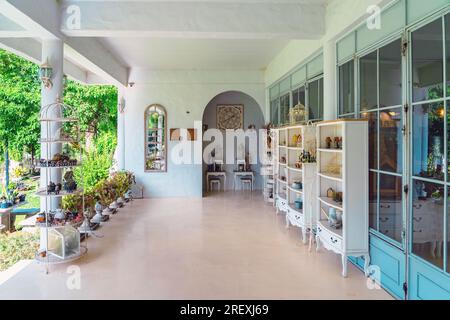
330	203
336	232
344	228
330	150
282	195
299	191
294	209
297	140
330	176
62	193
267	168
58	243
295	169
295	148
52	259
59	167
57	141
61	120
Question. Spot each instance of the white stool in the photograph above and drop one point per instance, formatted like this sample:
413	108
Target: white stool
213	182
247	181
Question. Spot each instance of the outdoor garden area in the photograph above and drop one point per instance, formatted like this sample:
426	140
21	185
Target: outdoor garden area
20	131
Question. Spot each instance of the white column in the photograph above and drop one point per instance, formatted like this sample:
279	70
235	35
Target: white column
329	81
52	50
120	149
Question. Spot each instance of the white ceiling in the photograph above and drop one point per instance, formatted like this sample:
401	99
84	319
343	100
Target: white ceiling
160	53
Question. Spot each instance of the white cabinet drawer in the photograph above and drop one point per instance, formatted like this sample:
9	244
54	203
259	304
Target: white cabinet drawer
282	205
329	237
296	218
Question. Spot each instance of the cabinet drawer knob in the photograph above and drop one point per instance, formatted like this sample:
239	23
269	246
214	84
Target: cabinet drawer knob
417	206
333	240
385	206
417	219
384	219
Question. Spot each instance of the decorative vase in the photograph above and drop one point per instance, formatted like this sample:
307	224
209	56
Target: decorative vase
98	213
299	204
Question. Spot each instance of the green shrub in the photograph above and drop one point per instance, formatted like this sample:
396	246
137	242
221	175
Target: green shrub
17	246
97	162
19	171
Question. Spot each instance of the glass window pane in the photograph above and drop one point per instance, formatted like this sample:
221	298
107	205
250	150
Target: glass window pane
313	100
448	141
321	98
368	82
346	88
301	96
391	217
274	111
373	200
448	230
391	75
391	140
373	138
348	116
428	140
295	97
427	55
447	43
284	109
427	221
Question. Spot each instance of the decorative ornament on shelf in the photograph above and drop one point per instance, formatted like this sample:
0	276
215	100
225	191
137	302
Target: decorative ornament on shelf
307	157
46	74
328	142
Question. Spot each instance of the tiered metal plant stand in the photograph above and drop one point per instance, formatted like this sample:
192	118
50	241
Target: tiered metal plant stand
59	243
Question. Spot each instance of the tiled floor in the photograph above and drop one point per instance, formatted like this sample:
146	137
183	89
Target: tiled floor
226	246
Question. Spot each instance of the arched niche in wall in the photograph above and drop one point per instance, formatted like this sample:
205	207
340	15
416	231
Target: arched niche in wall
155	118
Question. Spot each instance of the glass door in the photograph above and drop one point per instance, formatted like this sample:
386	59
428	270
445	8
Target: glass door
380	101
428	223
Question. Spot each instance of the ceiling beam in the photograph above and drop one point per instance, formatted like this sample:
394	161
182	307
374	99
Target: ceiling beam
39	17
195	19
42	19
94	57
31	50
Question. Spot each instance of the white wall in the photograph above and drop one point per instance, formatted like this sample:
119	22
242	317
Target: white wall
179	92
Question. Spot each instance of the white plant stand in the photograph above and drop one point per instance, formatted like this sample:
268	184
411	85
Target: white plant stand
65	244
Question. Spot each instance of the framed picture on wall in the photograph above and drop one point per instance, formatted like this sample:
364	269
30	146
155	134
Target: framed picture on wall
230	116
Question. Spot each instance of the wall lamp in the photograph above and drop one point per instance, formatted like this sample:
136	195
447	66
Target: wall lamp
46	74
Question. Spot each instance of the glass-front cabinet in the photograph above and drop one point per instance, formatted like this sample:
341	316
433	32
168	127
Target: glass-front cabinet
155	139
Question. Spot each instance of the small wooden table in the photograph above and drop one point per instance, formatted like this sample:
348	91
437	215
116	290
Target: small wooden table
243	174
216	174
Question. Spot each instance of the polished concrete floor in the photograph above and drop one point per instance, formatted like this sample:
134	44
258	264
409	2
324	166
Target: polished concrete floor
225	246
